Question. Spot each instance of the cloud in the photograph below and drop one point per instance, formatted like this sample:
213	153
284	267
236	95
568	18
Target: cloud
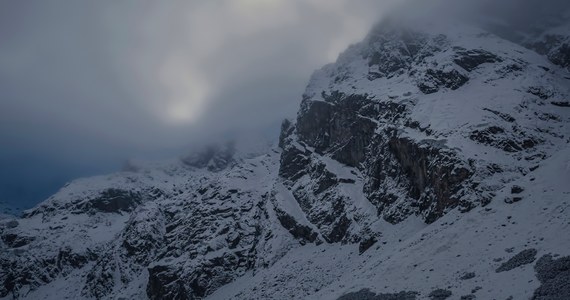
188	54
119	77
92	83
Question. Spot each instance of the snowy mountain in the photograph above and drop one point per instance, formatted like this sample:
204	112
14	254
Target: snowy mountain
427	162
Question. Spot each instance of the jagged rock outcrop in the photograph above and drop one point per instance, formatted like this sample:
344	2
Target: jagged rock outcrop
363	112
554	276
185	230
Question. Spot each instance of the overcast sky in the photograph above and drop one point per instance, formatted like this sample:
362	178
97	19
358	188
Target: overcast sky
85	85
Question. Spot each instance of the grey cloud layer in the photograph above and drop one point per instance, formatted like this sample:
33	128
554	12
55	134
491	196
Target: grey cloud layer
92	82
151	73
86	84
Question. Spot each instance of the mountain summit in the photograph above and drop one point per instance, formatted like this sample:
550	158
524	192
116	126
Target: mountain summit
427	162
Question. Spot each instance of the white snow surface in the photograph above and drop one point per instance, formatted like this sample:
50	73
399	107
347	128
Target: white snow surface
416	257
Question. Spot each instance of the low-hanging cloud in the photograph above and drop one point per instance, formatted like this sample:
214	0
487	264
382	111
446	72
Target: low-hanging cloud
86	84
216	64
121	71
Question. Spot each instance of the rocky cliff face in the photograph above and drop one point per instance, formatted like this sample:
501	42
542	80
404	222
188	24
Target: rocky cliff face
168	230
419	146
372	111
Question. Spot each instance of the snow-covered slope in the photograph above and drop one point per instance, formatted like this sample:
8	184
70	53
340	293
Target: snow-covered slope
429	161
427	121
109	236
459	253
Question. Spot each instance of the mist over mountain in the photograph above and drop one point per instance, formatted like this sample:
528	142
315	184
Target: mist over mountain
87	86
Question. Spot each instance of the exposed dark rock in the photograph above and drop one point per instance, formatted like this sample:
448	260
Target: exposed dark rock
303	233
503	116
465	206
233	240
336	126
443	178
172	282
366	294
366	244
497	137
471	59
67	257
549	116
111	201
339	229
286	130
164	283
516	189
540	92
524	257
293	162
13	240
433	80
100	280
440	294
390	111
468	297
561	103
346	180
554	276
313	125
144	235
17	276
468	275
511	200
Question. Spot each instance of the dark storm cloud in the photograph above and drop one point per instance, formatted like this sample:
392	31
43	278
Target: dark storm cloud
87	84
